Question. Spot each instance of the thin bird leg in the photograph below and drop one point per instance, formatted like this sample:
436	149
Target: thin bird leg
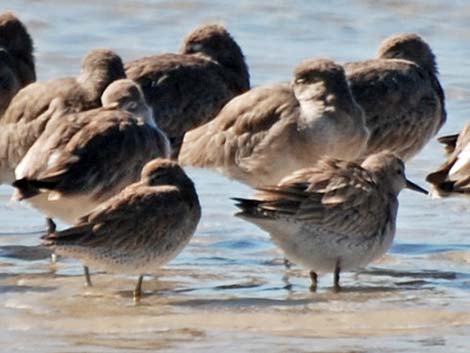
287	264
337	287
87	276
138	289
314	278
51	228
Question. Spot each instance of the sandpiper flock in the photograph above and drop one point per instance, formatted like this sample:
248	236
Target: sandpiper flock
325	151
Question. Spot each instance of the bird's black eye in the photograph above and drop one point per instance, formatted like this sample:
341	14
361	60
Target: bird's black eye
399	172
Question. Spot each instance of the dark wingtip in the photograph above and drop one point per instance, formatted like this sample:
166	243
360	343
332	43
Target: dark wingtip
448	139
449	142
19	183
441	185
436	178
245	204
238	199
249	208
25	188
447	186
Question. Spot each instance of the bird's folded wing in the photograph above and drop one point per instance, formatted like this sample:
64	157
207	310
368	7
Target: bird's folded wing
34	99
129	217
326	196
400	94
195	83
81	152
243	129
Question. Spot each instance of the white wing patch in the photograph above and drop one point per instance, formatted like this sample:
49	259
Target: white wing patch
461	167
53	158
22	167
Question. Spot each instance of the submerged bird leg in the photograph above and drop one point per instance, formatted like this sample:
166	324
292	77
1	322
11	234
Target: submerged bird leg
287	264
337	287
314	279
51	228
138	289
288	285
86	270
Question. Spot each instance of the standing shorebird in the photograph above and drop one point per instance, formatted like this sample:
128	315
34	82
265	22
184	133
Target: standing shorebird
401	95
267	133
82	159
453	177
143	227
336	216
17	68
30	110
188	89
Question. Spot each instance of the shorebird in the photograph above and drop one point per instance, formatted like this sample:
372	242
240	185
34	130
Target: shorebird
188	89
335	216
82	159
401	95
453	177
141	228
17	68
99	68
270	131
30	110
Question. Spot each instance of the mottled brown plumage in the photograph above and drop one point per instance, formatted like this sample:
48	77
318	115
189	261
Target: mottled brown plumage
17	67
84	158
138	230
29	111
265	134
335	216
188	89
453	177
400	94
17	139
98	69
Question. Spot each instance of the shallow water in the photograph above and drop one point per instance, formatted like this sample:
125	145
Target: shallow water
229	290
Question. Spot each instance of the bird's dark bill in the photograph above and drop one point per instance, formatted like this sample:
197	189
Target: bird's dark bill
412	186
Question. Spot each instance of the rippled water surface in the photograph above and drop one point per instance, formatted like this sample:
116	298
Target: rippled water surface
229	291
